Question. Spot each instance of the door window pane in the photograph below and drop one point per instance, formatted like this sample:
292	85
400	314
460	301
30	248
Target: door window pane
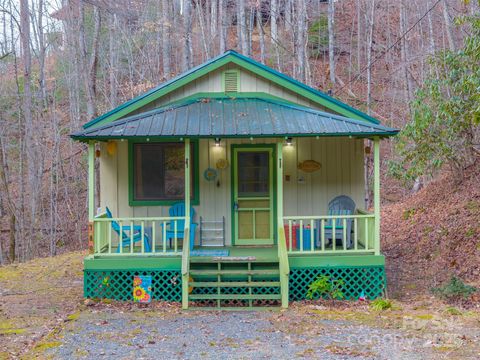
253	174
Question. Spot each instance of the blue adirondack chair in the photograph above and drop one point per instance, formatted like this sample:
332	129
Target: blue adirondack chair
341	205
124	238
178	209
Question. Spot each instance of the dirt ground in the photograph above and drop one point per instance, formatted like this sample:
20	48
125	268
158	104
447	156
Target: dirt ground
43	315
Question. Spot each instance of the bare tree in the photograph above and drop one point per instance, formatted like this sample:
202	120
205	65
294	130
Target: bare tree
370	20
187	33
301	39
448	25
222	14
331	39
274	29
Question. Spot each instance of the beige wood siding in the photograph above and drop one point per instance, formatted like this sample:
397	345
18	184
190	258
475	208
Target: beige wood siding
212	82
341	173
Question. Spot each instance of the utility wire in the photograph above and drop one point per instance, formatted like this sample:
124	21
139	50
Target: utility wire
390	47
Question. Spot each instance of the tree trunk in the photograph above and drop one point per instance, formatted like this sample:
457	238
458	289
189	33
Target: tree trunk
112	49
404	54
7	201
448	26
370	24
222	14
91	77
331	39
261	33
202	29
274	29
166	37
301	39
242	28
187	33
34	178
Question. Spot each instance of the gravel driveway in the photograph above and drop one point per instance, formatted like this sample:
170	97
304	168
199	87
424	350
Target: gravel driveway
116	334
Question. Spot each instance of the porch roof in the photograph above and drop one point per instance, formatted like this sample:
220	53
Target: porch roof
228	117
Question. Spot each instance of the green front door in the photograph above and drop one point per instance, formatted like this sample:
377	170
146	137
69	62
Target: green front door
253	195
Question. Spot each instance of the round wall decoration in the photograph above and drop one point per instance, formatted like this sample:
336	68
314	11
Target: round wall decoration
210	174
309	166
221	164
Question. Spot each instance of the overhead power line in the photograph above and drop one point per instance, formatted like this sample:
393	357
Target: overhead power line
356	77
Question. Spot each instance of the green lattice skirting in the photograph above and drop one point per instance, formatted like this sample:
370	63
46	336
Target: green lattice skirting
370	280
118	284
166	284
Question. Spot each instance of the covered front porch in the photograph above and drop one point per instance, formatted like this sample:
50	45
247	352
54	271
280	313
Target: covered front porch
244	188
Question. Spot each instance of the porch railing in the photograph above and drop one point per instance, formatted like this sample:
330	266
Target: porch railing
331	234
138	236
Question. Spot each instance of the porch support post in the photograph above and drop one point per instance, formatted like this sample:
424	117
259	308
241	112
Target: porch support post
187	183
281	241
376	192
91	180
186	234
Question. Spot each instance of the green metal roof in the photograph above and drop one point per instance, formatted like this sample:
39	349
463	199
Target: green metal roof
233	117
231	56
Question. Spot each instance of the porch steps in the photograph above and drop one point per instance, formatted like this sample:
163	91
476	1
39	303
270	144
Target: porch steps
235	272
234	283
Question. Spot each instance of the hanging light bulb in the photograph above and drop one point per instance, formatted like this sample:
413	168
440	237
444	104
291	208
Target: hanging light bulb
217	142
289	141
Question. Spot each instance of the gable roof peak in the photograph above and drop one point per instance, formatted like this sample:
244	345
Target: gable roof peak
241	61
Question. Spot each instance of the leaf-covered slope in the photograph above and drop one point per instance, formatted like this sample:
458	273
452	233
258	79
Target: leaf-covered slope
433	234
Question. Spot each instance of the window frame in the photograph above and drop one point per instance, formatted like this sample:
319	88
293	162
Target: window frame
131	168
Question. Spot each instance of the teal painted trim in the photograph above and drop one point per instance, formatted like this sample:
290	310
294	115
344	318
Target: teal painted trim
196	176
232	184
125	263
335	260
230	96
159	138
215	63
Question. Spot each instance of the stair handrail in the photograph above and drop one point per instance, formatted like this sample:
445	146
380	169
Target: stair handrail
284	266
185	267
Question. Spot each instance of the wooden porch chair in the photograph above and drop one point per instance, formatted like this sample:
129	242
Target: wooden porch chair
340	205
124	238
178	209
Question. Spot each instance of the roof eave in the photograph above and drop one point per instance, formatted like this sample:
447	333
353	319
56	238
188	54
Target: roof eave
86	138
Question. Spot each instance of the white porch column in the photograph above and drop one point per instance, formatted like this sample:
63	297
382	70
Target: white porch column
376	192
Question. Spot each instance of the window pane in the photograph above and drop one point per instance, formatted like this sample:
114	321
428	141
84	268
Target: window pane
159	171
253	174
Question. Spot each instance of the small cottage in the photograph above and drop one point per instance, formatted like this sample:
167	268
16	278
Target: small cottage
232	185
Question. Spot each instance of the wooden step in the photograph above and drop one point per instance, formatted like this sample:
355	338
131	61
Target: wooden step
235	272
235	284
235	297
235	308
230	259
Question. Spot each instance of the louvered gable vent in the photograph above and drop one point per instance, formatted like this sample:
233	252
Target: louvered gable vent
230	81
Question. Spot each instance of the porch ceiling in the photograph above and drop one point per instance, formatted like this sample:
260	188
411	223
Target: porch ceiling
233	117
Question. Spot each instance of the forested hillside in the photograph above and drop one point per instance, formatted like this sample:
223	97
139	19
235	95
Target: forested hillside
64	62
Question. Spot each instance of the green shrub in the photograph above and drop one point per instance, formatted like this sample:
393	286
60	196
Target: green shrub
381	304
453	311
455	289
325	287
